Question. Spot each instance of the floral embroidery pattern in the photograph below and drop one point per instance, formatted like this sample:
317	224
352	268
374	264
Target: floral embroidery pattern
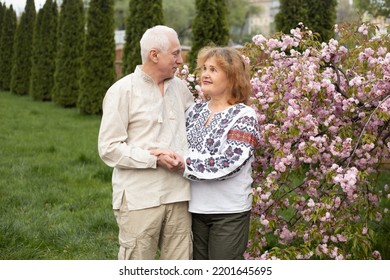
222	147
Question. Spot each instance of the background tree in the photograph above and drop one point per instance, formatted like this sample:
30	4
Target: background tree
142	15
322	17
209	28
21	70
180	15
44	52
69	54
239	12
318	15
373	7
99	56
222	31
120	13
345	12
177	14
8	30
3	8
291	12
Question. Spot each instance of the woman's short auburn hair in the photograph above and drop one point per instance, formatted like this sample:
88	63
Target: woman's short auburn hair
233	64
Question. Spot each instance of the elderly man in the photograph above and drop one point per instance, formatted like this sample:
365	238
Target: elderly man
142	136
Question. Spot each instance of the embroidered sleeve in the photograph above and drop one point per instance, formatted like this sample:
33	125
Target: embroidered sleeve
222	160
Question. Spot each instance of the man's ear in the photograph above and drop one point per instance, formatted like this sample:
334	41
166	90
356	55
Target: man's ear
153	55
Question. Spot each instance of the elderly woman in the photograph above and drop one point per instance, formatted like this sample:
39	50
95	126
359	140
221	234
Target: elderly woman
222	134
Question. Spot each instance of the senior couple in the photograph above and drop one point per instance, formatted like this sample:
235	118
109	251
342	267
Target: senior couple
181	170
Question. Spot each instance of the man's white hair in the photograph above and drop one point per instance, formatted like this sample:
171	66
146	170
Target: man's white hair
156	37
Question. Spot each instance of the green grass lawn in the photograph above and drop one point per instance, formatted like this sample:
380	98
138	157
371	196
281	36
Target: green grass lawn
55	192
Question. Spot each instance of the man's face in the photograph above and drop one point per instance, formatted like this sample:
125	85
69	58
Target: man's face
169	60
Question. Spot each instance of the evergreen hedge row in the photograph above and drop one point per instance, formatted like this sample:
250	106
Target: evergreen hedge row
59	56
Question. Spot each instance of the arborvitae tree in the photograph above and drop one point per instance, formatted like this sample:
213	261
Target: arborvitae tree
69	53
209	28
99	56
8	29
179	14
142	15
291	13
131	36
223	27
317	15
44	52
322	17
3	8
37	55
21	70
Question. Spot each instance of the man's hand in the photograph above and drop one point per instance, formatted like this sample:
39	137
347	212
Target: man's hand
168	159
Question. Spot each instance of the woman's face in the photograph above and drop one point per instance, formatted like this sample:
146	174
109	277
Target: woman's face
214	81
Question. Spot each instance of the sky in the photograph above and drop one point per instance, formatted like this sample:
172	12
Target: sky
19	5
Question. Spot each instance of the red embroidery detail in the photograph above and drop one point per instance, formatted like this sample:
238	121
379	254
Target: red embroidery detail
242	136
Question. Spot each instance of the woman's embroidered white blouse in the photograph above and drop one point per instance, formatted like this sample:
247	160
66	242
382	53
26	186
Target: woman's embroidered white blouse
219	163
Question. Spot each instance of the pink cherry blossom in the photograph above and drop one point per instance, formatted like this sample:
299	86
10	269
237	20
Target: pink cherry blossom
323	112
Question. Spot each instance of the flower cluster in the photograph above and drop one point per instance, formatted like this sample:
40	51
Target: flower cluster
191	81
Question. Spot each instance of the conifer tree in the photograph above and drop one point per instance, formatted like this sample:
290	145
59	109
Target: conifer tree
3	8
131	34
44	52
69	53
21	70
223	27
99	56
8	30
291	13
209	28
142	15
317	15
322	16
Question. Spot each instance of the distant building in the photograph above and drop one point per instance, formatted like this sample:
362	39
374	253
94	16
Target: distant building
382	22
119	44
263	23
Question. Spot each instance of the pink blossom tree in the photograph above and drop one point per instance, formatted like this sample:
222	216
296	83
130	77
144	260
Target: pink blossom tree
324	114
324	111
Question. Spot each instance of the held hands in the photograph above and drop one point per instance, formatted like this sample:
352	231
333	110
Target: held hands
168	159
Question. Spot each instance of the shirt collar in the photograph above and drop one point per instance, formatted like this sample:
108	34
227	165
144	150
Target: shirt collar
146	78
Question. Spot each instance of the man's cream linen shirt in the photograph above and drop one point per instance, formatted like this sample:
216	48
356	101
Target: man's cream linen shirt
137	118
